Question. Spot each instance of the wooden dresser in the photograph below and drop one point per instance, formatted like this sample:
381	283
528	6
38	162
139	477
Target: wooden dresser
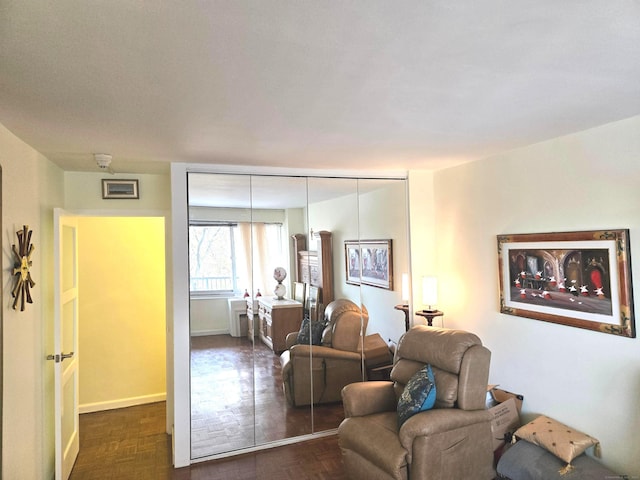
276	319
252	318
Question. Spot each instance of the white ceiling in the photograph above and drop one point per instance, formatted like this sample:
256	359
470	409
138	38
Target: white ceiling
357	84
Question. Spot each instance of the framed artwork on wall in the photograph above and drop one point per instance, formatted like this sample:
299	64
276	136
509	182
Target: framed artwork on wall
580	279
120	189
369	262
352	261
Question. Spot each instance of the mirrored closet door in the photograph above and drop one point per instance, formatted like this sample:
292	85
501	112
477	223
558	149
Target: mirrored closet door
283	312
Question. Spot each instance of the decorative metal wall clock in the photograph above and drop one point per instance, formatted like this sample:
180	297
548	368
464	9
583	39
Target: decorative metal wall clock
23	281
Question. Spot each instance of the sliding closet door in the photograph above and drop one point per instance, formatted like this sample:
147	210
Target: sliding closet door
278	213
223	393
384	248
333	214
268	253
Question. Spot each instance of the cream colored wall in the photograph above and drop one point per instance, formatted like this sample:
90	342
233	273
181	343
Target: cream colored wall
122	311
377	215
340	217
423	235
83	191
589	180
208	316
31	187
383	215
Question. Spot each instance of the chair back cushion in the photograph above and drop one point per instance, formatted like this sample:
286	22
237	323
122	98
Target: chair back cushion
459	361
345	320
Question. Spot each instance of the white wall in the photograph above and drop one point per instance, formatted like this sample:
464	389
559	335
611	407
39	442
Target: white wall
31	187
377	215
83	191
383	215
209	315
423	235
340	217
589	180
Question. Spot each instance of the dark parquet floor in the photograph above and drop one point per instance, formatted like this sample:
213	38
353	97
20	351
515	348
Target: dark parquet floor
131	444
227	374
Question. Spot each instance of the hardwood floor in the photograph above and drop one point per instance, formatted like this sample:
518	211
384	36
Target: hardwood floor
227	375
131	443
124	443
237	398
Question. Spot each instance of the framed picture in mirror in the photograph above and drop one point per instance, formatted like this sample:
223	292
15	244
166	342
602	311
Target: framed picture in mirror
352	261
377	263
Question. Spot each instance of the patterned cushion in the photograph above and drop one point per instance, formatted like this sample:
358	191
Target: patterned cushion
310	330
564	442
419	394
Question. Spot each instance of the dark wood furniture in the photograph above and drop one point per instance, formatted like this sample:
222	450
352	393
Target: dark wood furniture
407	320
315	267
278	318
429	315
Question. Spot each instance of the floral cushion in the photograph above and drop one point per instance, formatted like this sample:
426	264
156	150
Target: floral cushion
419	394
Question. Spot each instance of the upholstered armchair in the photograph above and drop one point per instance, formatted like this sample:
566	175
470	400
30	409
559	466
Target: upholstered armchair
451	441
332	364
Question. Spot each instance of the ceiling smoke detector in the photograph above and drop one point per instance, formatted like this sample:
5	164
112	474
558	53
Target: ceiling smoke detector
103	160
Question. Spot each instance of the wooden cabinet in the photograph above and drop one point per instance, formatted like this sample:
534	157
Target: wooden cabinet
315	267
276	319
252	318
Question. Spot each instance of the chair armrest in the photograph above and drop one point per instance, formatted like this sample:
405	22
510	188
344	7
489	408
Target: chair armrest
365	398
290	340
439	420
324	352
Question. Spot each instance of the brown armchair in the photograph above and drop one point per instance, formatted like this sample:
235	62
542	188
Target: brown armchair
334	364
452	441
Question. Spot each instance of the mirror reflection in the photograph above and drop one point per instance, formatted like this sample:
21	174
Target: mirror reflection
293	286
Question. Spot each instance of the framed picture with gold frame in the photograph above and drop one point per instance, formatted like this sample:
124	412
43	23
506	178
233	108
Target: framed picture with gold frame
581	279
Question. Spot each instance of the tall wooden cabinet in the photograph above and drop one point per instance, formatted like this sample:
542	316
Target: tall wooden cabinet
315	267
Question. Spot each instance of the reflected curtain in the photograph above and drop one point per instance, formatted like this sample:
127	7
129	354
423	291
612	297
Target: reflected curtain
243	256
257	247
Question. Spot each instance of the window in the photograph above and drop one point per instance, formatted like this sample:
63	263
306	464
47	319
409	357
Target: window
212	258
218	257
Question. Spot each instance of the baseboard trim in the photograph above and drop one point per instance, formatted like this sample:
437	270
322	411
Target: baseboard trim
121	403
204	333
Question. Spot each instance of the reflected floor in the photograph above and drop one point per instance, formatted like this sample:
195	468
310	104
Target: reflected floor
223	417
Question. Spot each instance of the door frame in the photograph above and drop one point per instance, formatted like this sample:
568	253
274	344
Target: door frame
65	453
169	339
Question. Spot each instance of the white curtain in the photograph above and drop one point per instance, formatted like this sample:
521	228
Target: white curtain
263	250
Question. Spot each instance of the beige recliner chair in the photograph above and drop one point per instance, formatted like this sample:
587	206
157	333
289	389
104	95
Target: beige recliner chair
452	441
334	364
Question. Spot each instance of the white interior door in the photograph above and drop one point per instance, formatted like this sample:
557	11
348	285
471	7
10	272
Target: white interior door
65	355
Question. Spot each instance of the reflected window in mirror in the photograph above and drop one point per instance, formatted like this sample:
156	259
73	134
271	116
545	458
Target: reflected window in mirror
220	255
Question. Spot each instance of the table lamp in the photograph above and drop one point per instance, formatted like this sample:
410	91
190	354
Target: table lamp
429	300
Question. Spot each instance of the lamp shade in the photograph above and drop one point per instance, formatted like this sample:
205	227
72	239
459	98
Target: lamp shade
405	288
429	291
